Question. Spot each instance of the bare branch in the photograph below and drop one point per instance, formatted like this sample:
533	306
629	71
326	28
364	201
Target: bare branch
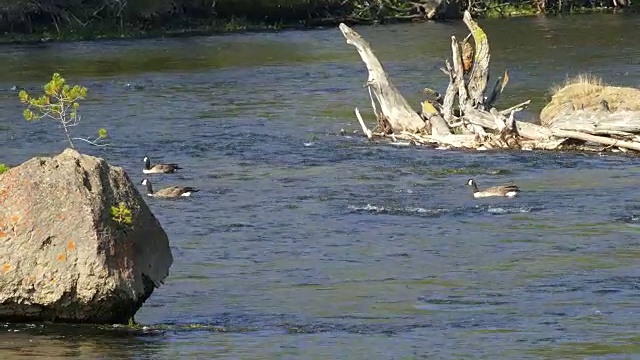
90	141
393	105
362	124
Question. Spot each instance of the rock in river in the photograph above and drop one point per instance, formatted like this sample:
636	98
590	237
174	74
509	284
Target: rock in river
63	257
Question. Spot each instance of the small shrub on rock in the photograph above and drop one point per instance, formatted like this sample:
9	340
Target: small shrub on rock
121	214
60	103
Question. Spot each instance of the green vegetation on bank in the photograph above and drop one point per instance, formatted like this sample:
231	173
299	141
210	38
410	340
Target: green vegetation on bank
24	20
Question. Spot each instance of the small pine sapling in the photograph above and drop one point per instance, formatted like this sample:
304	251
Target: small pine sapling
60	103
121	214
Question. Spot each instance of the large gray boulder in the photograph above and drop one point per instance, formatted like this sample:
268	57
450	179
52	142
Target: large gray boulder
62	256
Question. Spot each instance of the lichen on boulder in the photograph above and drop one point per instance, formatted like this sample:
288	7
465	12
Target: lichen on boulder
64	258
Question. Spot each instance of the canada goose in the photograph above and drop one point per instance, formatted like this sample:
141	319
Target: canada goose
500	190
172	191
159	168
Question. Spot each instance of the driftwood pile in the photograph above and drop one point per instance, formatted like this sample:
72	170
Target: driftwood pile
465	117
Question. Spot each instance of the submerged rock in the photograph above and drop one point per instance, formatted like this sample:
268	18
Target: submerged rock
64	257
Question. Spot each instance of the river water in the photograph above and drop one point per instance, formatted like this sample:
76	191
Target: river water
304	243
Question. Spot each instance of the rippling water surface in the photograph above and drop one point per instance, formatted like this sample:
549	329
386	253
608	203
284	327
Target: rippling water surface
304	243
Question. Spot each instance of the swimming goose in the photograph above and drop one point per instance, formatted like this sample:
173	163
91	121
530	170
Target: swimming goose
159	168
500	190
172	191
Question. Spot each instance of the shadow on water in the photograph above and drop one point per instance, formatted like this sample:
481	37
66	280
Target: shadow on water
306	243
75	341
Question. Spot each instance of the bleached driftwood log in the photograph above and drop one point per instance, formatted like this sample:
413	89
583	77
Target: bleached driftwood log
597	139
466	118
597	122
395	110
480	73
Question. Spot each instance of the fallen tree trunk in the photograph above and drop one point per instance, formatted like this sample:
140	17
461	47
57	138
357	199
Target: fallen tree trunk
597	139
598	122
466	118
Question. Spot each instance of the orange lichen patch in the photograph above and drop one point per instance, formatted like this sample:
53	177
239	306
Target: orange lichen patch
3	193
6	267
15	218
61	257
70	245
59	217
2	234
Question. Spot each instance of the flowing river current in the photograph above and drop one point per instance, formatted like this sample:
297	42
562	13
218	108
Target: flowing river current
305	243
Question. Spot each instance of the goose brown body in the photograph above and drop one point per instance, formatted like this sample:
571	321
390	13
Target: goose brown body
159	168
169	192
500	190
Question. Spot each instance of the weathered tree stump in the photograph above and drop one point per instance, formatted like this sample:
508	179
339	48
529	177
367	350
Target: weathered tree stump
465	117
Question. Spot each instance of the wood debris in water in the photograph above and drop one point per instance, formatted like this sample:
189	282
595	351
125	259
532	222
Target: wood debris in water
465	117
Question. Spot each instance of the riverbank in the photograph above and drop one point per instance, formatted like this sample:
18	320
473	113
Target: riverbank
21	26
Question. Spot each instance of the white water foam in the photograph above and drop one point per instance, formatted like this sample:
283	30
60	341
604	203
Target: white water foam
502	210
368	207
382	209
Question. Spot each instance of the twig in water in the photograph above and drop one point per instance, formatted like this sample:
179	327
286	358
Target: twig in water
364	127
